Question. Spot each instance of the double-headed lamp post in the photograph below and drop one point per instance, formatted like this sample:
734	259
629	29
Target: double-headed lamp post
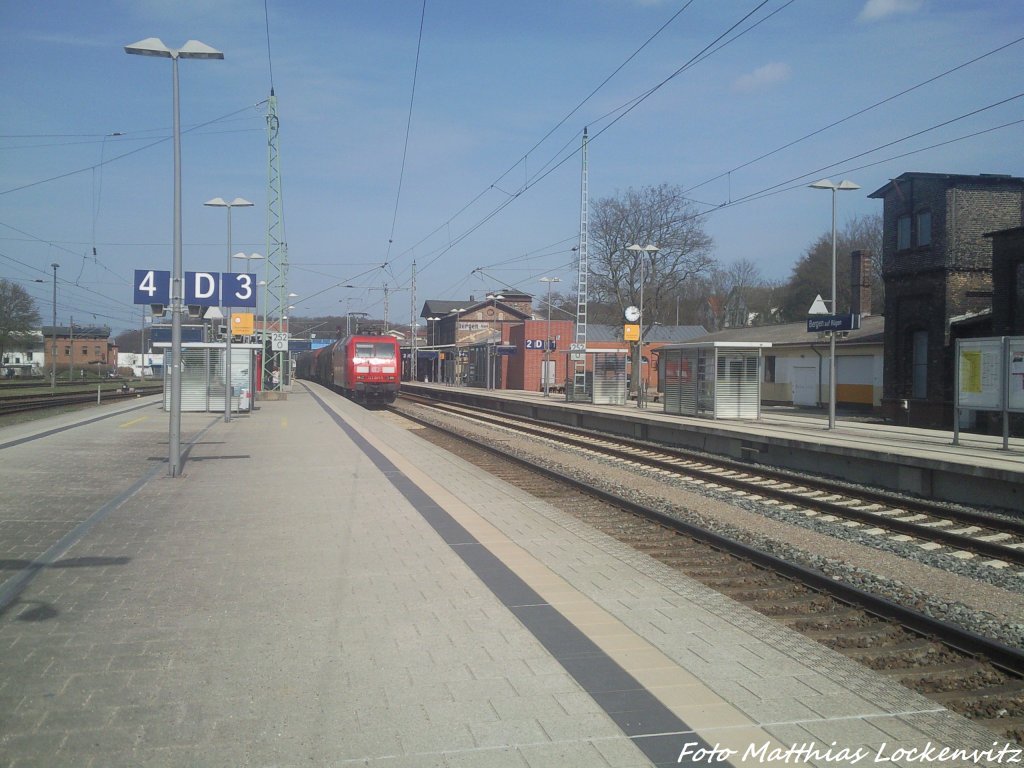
193	49
457	362
842	185
547	341
220	202
638	377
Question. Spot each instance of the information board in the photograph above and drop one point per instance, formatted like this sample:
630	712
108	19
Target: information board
979	380
1015	376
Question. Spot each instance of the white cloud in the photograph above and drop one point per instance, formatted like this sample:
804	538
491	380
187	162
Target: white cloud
762	77
879	9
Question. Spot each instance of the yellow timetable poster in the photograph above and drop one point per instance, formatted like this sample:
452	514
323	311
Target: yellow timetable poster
970	370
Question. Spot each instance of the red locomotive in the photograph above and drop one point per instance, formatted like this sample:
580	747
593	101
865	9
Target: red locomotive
364	368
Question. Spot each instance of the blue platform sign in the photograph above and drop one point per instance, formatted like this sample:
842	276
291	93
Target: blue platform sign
161	334
824	323
238	289
152	286
205	289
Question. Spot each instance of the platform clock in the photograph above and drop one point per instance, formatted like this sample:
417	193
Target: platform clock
632	314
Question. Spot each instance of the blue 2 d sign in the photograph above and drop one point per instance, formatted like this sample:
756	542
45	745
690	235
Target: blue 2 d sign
206	289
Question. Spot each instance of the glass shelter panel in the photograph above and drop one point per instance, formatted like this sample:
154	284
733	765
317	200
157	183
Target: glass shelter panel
609	385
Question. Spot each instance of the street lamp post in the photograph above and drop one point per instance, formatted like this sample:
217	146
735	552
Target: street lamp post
842	185
433	343
220	202
639	372
193	49
547	341
457	362
53	336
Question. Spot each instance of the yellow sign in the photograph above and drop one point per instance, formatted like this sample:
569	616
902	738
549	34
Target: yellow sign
631	332
243	324
970	371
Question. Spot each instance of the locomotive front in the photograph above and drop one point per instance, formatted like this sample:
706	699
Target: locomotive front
372	368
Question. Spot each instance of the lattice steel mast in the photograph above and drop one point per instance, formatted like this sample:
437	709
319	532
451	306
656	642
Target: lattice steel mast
275	293
579	379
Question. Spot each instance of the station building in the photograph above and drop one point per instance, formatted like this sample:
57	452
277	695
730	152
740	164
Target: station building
938	272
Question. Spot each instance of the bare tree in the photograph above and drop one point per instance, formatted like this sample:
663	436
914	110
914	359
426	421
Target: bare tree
18	314
659	216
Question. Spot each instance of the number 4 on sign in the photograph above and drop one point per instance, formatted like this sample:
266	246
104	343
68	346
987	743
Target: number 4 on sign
152	286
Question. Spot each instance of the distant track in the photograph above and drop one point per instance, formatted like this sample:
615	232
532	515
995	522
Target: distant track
28	403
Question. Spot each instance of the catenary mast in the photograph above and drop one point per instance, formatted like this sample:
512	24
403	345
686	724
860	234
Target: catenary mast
275	293
579	379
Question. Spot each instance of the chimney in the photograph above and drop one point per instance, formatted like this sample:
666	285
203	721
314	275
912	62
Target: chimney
860	283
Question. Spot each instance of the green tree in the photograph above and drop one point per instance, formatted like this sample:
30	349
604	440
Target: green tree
812	273
18	315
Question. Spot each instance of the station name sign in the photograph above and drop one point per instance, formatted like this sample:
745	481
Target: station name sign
825	323
204	289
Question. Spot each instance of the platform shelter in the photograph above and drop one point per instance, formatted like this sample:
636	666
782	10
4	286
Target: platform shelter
714	379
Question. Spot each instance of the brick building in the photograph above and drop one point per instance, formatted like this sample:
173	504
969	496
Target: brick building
937	268
79	348
1007	282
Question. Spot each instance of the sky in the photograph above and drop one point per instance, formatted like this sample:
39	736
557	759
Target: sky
459	148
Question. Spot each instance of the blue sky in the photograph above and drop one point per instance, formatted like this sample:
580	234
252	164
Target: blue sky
494	78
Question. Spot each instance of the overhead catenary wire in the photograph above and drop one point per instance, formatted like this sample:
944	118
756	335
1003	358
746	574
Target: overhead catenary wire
631	105
623	111
408	130
152	144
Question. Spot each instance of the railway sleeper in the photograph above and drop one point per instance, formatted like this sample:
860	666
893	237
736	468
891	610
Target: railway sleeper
839	617
937	673
887	655
795	608
748	593
852	636
723	579
1008	696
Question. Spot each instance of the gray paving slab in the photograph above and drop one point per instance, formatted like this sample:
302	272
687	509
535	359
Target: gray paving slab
284	603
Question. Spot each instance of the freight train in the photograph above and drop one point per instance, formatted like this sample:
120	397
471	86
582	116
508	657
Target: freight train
363	368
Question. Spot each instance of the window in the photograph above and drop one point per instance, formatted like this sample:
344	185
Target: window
85	351
379	350
924	228
769	369
902	233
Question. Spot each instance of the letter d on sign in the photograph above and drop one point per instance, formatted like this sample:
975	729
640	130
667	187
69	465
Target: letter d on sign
202	288
206	285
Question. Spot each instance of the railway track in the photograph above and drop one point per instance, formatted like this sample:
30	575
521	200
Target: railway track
10	405
990	540
973	675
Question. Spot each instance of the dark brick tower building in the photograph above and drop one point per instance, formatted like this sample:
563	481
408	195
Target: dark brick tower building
937	268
